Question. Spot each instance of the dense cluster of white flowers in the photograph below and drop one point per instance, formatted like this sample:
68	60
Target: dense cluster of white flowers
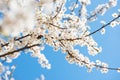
46	22
30	42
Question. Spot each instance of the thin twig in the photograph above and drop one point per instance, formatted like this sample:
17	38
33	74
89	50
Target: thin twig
74	7
56	26
95	14
58	11
103	26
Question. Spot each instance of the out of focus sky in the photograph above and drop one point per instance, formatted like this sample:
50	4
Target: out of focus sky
27	68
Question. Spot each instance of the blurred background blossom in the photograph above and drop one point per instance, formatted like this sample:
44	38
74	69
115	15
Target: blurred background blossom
16	15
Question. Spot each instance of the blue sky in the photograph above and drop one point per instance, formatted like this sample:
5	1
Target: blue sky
29	69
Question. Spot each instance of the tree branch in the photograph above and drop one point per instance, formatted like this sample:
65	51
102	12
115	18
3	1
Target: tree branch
97	66
103	26
20	49
58	11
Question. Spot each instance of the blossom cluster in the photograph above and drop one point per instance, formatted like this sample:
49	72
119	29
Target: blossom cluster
60	30
29	42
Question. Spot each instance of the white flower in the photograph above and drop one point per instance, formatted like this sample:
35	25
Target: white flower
86	60
104	70
12	78
8	72
102	31
113	24
114	15
118	70
42	77
98	62
103	22
118	10
13	67
104	65
8	60
14	56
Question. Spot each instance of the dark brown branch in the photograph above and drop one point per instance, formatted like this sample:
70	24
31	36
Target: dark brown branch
18	50
56	26
70	39
16	39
